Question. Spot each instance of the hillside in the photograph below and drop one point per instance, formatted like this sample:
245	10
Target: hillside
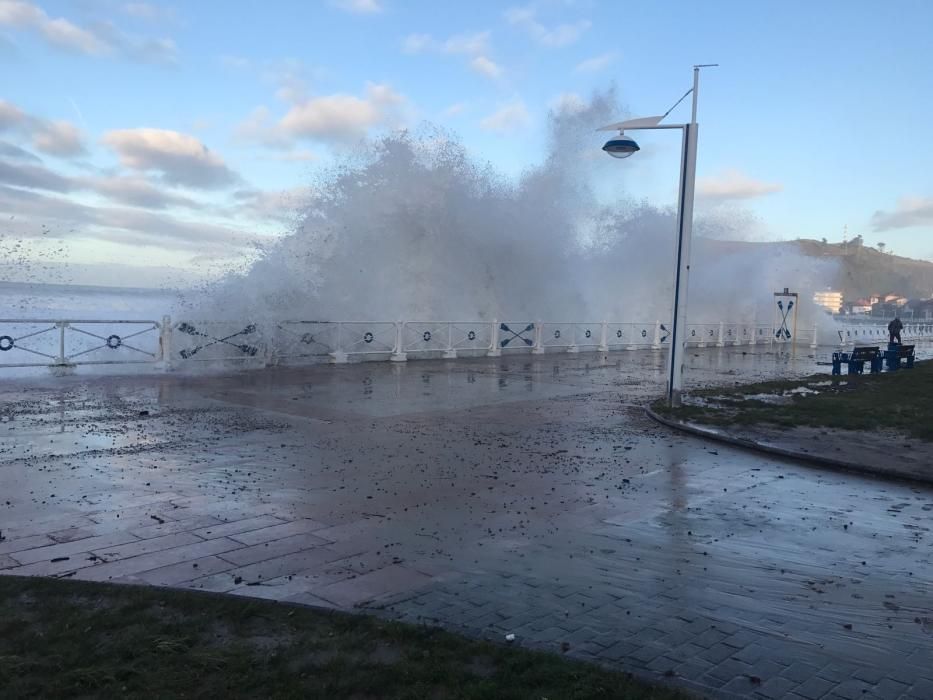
861	270
864	270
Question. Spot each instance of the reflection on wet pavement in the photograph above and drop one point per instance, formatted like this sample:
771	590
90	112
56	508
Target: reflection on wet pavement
492	496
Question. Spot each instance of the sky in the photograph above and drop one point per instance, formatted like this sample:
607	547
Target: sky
157	136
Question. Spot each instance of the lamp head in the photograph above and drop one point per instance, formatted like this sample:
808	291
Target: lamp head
621	146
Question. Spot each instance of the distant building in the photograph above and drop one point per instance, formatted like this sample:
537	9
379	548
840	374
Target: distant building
862	306
829	299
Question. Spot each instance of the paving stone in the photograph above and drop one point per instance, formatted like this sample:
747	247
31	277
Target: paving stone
235	527
889	689
391	579
23	543
6	562
172	526
270	550
155	544
64	549
156	560
776	687
183	572
277	532
800	671
815	687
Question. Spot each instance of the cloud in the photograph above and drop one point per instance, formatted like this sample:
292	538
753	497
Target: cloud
733	184
34	177
138	192
553	37
568	103
179	158
134	191
122	225
59	138
484	66
148	12
101	39
8	150
455	109
56	138
597	63
341	116
508	118
470	44
359	7
12	116
280	205
910	211
59	32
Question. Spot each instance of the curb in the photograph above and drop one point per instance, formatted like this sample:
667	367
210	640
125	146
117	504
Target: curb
807	457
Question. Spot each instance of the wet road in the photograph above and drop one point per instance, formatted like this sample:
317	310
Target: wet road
512	495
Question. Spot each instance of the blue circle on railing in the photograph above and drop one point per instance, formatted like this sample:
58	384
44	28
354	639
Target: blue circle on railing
471	335
307	339
368	337
6	343
557	333
588	334
644	333
618	334
427	336
114	341
693	332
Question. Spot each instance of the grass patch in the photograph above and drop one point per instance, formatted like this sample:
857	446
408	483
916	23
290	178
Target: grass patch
900	401
77	639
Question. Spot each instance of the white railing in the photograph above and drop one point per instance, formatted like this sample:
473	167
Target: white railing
63	344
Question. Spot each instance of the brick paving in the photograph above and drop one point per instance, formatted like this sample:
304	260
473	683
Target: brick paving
491	498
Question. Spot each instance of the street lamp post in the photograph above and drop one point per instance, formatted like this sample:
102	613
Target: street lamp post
624	146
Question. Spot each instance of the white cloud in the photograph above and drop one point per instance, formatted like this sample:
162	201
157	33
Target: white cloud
280	205
104	38
568	103
35	177
508	118
57	138
910	211
148	12
553	37
58	31
597	63
733	184
179	158
360	7
11	116
455	109
470	44
341	116
138	192
484	66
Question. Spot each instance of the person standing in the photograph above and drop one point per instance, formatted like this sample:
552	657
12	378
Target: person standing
894	330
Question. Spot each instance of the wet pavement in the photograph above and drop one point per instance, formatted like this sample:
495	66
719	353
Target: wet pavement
517	495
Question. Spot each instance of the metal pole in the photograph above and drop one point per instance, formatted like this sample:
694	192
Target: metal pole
684	234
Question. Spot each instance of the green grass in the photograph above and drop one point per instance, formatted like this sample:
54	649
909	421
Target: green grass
900	401
77	639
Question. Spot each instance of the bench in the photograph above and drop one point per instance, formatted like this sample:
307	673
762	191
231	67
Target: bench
856	360
895	353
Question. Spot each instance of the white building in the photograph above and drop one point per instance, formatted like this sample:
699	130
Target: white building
829	299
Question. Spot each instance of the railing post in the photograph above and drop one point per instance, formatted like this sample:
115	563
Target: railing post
814	344
721	341
165	343
494	349
656	344
450	353
573	339
538	348
338	356
61	343
604	337
398	355
754	339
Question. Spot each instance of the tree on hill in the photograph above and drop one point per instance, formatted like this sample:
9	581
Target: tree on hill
881	247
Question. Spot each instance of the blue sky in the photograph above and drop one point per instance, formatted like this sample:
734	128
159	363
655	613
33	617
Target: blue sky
816	118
